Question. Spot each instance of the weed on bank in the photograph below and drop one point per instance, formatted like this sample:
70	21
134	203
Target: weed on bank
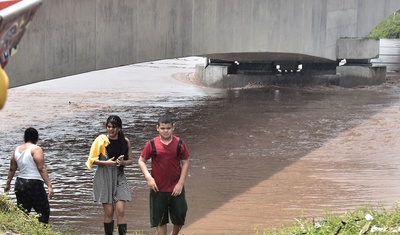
366	220
14	221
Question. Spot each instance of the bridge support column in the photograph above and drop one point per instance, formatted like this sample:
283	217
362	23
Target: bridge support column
351	76
358	70
211	75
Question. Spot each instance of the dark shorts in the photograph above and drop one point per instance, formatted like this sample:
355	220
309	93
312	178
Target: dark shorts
31	194
164	206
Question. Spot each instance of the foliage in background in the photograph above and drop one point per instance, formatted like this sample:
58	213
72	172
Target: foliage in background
365	220
389	28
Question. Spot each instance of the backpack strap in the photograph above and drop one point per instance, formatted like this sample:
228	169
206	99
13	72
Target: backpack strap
153	147
178	150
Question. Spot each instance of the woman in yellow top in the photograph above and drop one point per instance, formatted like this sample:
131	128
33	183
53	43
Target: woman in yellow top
111	153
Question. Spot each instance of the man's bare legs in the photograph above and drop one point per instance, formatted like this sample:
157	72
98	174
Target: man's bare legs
176	229
162	230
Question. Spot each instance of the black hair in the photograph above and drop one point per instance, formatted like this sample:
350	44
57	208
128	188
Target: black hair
31	135
116	121
166	120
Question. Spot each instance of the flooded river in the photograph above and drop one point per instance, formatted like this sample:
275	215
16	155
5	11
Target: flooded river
260	156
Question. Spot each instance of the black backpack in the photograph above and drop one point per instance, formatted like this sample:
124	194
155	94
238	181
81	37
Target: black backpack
178	150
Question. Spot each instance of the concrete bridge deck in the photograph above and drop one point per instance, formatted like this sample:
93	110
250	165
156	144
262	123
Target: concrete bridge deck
77	36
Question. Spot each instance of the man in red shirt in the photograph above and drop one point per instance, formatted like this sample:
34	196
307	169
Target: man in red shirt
169	166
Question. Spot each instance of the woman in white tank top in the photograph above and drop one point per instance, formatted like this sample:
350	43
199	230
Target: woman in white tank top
29	189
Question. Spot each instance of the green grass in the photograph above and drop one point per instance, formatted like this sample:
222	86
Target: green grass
366	220
389	28
14	221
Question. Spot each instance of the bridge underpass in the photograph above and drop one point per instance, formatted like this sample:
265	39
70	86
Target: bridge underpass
238	70
72	37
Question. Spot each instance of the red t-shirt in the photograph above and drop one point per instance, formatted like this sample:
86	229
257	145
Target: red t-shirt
166	166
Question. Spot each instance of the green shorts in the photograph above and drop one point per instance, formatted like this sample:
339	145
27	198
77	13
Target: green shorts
164	205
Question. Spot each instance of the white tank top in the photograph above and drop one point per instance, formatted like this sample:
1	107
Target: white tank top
26	165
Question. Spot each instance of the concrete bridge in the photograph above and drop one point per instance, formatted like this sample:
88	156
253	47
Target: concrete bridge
257	37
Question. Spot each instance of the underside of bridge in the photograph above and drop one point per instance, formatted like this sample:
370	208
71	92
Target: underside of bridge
352	67
270	63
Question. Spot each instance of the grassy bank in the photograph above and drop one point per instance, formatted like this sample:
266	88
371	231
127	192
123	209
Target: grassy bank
367	220
14	221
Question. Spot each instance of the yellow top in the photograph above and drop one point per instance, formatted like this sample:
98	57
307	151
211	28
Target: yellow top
98	147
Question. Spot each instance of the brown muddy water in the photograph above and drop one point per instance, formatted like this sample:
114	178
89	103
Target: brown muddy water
260	156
